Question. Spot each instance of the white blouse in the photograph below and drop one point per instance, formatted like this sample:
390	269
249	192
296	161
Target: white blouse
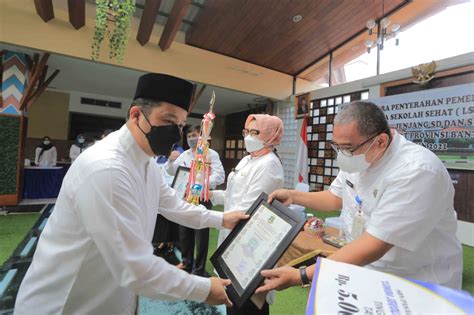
251	177
48	158
75	151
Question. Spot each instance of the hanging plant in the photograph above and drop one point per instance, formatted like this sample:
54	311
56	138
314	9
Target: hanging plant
113	19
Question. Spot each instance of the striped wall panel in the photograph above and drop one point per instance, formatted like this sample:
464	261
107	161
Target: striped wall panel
13	83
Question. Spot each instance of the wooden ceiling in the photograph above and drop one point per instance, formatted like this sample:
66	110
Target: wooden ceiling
263	32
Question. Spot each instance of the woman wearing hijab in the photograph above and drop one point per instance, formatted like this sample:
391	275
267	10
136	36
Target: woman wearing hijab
46	154
260	171
78	147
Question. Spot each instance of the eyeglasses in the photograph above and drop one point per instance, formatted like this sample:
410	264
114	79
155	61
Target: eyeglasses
350	152
252	132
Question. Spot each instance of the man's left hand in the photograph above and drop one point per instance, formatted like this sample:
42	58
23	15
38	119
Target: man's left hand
231	218
279	279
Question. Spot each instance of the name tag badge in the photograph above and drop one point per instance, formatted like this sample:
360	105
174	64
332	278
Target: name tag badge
358	224
351	185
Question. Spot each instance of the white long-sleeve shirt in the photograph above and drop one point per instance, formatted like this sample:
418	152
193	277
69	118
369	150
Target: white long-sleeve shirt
252	176
95	254
75	151
48	158
184	159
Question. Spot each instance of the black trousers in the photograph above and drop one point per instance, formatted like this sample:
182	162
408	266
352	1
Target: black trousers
249	309
166	231
189	238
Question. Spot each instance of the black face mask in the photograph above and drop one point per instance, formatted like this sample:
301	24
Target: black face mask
162	138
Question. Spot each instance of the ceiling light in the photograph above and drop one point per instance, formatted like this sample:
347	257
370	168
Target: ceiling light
383	34
297	18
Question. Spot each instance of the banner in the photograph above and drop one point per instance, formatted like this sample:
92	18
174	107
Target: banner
438	119
340	288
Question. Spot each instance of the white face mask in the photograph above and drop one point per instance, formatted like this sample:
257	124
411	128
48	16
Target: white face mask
81	140
46	142
355	163
253	144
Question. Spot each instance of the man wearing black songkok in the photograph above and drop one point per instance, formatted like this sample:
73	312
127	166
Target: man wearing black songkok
95	254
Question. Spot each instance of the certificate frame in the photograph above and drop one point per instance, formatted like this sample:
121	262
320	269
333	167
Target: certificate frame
240	291
180	181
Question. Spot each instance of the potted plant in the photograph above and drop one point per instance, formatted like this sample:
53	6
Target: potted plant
113	19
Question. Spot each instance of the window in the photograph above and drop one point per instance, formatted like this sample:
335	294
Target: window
103	103
318	73
287	149
352	62
430	30
442	34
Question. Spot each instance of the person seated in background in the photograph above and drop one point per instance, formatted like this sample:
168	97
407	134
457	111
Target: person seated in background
187	236
77	147
397	204
260	171
45	153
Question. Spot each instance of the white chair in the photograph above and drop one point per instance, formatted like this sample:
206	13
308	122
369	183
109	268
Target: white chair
297	208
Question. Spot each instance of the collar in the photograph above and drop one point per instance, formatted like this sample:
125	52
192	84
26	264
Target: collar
387	155
128	143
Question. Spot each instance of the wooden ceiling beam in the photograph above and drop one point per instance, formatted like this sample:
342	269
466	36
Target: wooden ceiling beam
33	77
77	13
44	8
173	23
147	21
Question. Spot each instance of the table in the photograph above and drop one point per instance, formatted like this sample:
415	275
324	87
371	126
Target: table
305	247
42	182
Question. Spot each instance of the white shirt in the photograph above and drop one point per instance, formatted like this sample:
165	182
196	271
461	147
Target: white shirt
95	254
407	201
48	158
184	159
252	176
75	151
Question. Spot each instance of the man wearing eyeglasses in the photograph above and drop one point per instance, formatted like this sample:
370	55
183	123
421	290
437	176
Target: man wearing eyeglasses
397	204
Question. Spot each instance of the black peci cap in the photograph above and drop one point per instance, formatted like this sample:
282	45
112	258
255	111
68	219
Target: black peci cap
165	88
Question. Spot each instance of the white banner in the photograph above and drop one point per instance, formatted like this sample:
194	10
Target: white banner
340	288
439	119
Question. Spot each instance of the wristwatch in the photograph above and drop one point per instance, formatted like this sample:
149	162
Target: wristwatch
304	277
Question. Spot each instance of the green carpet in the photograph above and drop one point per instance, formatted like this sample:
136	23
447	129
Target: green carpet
13	229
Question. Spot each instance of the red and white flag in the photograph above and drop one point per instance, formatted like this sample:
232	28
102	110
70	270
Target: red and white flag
302	154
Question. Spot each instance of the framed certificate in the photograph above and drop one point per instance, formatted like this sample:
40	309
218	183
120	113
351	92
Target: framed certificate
255	244
180	181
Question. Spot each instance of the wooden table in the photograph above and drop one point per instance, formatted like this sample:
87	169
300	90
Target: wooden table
304	247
